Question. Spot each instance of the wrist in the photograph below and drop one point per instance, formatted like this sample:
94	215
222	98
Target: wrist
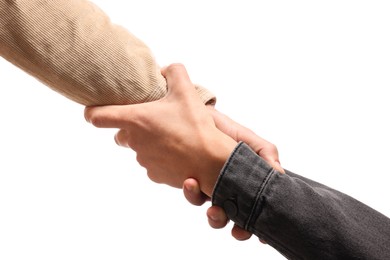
219	151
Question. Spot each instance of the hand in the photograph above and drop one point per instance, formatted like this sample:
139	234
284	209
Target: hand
216	215
175	138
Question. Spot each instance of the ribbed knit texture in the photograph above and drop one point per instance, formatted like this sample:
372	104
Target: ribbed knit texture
72	47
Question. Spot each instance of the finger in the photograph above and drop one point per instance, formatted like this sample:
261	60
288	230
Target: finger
262	147
271	156
262	241
240	234
274	164
192	192
178	81
122	138
112	116
217	217
268	152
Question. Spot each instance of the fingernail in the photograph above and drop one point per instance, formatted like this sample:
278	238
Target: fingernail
213	218
188	188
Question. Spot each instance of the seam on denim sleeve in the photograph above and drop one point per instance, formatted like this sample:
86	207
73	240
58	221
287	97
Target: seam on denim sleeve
257	199
217	184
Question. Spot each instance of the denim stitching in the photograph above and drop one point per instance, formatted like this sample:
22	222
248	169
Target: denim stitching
257	199
224	170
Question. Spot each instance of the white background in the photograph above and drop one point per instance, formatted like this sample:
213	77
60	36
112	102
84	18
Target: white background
310	76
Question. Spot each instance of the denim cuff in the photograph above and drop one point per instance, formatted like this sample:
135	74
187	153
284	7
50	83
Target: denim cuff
240	185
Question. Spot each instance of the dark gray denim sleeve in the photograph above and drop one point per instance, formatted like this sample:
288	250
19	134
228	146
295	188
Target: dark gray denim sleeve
300	218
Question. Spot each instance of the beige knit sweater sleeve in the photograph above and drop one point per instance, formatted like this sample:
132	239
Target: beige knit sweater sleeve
72	47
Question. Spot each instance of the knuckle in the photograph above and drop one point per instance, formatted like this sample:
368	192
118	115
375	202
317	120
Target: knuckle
272	148
95	120
121	141
88	114
116	138
175	67
153	177
140	159
91	115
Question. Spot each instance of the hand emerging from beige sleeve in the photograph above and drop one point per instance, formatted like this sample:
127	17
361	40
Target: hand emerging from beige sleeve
175	138
73	48
178	141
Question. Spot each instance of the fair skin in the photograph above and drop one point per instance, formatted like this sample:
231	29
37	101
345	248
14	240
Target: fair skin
179	125
196	140
216	215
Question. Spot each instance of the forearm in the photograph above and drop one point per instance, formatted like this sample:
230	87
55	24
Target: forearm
300	218
72	47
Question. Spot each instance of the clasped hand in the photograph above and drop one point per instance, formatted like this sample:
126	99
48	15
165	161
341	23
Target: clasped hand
180	141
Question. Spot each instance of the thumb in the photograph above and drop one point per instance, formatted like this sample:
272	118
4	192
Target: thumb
179	86
178	81
113	116
263	148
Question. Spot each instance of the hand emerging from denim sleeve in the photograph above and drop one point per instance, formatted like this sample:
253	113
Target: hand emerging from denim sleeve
268	151
180	141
